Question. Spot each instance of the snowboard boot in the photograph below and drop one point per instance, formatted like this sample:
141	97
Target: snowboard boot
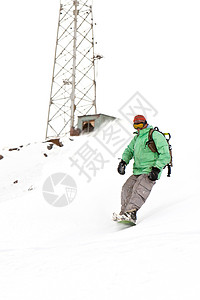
116	217
130	216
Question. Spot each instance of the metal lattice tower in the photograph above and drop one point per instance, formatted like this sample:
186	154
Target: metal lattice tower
73	89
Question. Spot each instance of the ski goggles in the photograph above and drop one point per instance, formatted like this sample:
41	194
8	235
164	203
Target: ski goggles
138	125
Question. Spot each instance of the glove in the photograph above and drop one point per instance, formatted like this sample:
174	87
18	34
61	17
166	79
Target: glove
154	174
121	168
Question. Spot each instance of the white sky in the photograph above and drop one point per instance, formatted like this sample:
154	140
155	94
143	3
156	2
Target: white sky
148	46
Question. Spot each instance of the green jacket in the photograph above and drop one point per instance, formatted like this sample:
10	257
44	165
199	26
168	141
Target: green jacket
144	158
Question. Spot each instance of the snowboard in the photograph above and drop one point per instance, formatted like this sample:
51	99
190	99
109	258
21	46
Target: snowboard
117	219
126	222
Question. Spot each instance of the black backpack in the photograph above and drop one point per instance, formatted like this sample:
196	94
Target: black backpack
153	148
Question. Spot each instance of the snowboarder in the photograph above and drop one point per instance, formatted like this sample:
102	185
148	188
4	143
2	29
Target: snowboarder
147	168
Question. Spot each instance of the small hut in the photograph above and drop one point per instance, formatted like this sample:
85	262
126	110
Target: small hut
88	123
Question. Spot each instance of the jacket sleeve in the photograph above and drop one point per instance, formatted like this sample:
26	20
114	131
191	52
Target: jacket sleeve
129	151
163	150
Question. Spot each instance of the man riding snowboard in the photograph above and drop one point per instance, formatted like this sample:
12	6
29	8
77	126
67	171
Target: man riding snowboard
147	168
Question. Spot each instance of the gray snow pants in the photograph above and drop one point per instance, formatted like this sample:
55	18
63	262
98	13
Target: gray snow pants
135	191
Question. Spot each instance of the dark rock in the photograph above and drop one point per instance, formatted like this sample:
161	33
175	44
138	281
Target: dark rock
14	149
55	141
50	146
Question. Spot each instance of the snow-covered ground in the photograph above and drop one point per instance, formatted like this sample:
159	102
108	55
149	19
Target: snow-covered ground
77	251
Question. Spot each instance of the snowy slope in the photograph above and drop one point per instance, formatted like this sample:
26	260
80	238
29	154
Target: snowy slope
77	251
